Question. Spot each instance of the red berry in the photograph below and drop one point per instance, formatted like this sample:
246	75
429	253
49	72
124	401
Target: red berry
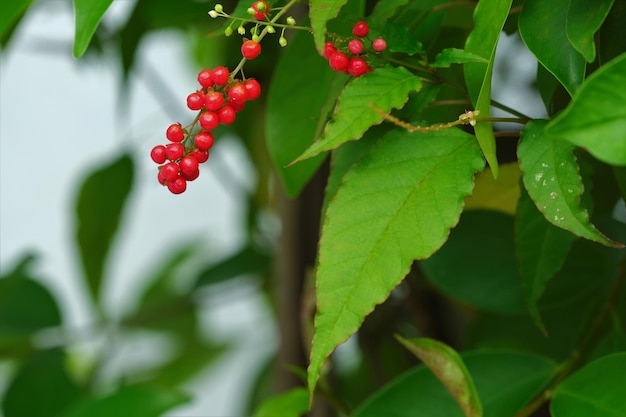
177	186
220	75
204	78
174	151
238	93
158	154
329	48
226	115
357	67
175	133
262	9
338	61
161	178
253	88
208	120
188	165
236	105
190	176
195	101
201	156
250	49
379	44
169	171
213	100
355	47
360	29
204	141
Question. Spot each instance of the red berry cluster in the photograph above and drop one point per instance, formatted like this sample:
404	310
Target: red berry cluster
351	60
217	102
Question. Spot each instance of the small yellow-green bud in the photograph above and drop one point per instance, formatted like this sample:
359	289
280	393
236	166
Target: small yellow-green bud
255	38
213	14
251	11
270	29
228	31
218	8
282	41
291	21
241	30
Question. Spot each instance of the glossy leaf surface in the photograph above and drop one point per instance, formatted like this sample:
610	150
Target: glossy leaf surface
552	178
451	56
386	88
88	15
542	26
598	389
584	18
320	12
595	119
394	206
449	368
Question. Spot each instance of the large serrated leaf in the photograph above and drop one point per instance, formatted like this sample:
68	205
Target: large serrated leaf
542	26
385	88
596	117
489	19
99	207
88	14
449	368
320	12
551	176
541	251
292	124
596	390
584	18
394	206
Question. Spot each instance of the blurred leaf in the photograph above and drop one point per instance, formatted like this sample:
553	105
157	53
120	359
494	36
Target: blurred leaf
386	9
41	387
552	178
384	228
595	117
25	305
399	37
620	176
385	88
598	390
250	260
136	401
583	20
499	194
482	275
88	15
541	251
542	26
448	367
451	56
292	403
489	18
294	123
505	381
320	12
611	41
99	206
10	13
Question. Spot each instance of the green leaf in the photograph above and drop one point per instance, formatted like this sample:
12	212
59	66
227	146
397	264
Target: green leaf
489	19
385	88
10	13
88	14
449	368
320	12
451	56
250	260
499	194
505	381
99	206
541	251
41	387
597	390
136	401
595	119
394	206
17	317
542	26
292	403
484	276
294	123
552	178
583	20
386	9
611	41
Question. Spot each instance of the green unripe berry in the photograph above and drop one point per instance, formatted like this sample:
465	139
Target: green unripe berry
251	11
213	14
218	8
255	38
228	31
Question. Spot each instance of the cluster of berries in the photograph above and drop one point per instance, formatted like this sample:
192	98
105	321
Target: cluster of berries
217	102
351	60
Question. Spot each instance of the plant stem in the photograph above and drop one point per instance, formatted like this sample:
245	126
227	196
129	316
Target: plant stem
584	348
507	109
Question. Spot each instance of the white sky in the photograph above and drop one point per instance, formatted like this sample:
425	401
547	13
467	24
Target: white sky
57	122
